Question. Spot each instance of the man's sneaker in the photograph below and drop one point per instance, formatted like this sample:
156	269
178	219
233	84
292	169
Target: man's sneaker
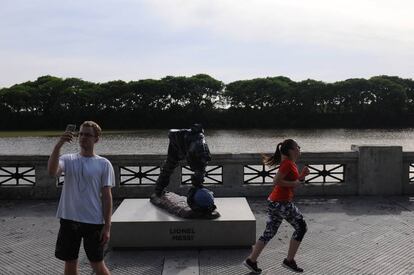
292	265
252	266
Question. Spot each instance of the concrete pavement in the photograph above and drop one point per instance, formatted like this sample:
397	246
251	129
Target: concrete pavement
346	235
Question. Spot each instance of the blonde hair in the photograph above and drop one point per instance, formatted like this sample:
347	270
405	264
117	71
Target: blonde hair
96	128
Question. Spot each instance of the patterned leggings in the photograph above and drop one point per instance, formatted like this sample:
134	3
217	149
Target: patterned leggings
277	211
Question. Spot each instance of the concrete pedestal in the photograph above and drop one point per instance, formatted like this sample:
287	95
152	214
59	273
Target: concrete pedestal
138	223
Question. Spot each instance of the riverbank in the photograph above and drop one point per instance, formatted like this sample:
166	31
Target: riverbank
55	133
219	141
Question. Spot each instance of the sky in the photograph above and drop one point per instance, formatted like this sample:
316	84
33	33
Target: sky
102	40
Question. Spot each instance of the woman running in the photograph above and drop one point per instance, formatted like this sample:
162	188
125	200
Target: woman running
281	204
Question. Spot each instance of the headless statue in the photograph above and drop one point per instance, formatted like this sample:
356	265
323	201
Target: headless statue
189	145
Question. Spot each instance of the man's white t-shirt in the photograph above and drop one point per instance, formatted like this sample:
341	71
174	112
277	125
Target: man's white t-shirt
84	179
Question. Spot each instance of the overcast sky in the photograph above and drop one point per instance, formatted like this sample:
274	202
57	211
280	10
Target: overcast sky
101	40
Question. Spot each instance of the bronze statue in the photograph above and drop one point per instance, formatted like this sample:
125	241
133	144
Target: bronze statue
189	145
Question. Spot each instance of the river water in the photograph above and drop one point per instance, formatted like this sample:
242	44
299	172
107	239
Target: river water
221	141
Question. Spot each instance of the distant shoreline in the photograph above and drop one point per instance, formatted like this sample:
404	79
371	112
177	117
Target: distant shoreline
48	103
55	133
52	133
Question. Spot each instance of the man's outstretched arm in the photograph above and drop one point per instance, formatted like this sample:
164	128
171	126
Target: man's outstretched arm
53	163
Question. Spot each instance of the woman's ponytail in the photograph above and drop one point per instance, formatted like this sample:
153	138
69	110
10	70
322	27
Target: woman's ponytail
281	149
275	158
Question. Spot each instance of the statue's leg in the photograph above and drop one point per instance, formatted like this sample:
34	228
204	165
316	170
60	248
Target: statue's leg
197	180
166	170
199	168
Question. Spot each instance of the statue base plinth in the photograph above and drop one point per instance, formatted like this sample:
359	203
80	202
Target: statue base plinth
140	224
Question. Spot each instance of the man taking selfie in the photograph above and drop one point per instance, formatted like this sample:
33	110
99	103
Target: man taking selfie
85	205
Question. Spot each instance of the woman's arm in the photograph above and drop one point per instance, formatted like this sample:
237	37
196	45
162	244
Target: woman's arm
305	172
279	180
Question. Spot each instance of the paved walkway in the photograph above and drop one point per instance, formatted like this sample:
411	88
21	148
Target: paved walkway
347	235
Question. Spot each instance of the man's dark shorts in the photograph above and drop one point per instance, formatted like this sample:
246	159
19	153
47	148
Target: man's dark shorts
69	240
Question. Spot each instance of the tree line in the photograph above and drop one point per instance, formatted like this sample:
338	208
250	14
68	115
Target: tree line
172	102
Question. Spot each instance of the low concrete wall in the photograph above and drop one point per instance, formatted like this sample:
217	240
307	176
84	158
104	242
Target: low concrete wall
407	174
380	170
366	170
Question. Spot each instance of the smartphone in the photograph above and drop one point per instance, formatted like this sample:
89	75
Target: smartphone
70	128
